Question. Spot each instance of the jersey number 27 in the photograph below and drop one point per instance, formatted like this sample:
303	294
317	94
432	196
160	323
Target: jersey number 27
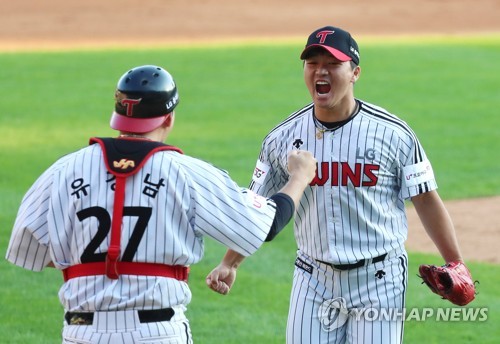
104	225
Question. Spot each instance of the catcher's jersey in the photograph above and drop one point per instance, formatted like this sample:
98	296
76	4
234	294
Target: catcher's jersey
354	208
170	204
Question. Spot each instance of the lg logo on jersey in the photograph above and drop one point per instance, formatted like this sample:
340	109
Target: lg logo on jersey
369	154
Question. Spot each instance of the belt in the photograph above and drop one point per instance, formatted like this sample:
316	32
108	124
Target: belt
178	272
358	264
145	316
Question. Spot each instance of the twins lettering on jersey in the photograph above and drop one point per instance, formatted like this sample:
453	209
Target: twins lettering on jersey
334	173
341	174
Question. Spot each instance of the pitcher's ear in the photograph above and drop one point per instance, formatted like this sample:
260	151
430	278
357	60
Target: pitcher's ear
355	74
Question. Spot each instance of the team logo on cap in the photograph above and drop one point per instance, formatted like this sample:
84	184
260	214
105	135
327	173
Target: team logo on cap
129	105
322	35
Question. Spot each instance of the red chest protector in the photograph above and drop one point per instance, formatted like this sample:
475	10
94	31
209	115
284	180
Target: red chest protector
124	158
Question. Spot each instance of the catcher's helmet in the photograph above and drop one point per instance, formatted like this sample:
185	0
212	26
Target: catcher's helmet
144	96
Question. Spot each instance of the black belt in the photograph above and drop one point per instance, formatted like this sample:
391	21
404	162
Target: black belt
358	264
145	316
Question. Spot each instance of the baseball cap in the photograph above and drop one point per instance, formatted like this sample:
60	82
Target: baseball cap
336	41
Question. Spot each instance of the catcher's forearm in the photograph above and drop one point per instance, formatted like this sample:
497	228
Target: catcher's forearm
438	225
232	259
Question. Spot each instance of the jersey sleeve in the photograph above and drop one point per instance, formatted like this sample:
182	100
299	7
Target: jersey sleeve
417	176
268	178
234	216
29	242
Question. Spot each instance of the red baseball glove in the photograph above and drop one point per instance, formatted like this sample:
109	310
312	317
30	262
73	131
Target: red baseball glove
452	281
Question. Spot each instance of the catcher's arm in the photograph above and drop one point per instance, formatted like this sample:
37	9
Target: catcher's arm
222	277
301	167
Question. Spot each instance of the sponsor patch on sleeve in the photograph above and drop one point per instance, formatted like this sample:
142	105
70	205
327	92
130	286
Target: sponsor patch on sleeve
418	173
258	202
260	172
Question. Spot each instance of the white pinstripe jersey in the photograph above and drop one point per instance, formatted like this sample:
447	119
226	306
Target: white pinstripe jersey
66	214
354	208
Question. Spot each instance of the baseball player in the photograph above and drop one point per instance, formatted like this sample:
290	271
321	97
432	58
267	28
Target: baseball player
351	225
125	217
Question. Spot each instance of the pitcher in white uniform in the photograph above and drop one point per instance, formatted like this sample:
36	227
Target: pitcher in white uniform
351	225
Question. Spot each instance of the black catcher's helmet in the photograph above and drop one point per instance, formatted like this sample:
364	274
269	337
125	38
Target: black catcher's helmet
144	96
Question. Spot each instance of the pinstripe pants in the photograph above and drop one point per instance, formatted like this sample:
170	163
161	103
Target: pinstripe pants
125	327
362	305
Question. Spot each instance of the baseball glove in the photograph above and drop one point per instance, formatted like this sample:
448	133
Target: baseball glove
452	281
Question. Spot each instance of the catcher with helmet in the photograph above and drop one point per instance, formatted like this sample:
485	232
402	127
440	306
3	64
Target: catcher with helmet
124	218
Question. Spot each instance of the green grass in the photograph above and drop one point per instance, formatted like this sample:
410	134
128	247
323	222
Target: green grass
53	102
254	312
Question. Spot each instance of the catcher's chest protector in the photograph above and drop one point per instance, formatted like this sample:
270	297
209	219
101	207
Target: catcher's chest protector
124	158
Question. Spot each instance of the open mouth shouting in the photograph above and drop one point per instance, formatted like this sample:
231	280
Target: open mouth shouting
322	87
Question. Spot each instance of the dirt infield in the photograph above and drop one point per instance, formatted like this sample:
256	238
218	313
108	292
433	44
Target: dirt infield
26	24
57	24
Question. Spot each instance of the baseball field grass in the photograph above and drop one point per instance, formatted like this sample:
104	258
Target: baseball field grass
230	97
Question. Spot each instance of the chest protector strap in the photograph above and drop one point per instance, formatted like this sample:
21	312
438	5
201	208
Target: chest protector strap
124	158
